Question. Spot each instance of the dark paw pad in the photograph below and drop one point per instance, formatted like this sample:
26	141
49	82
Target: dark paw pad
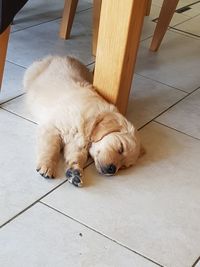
74	177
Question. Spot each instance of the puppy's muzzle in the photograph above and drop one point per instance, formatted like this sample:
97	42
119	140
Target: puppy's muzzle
109	169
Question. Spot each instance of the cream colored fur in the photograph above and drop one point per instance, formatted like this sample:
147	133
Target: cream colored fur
72	116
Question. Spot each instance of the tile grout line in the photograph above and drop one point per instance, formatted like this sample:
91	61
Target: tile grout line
174	30
188	5
31	205
195	263
188	33
38	200
13	98
96	231
11	62
178	89
16	64
57	18
169	108
186	20
28	27
17	115
176	130
179	23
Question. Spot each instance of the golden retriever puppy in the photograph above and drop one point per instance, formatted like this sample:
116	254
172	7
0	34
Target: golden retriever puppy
75	119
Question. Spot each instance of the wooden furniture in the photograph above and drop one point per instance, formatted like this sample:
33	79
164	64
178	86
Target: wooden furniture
8	9
3	49
69	11
117	27
118	40
166	14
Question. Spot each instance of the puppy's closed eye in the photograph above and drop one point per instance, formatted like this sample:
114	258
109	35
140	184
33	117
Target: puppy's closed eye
121	150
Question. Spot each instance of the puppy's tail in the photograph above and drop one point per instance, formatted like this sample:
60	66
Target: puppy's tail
35	70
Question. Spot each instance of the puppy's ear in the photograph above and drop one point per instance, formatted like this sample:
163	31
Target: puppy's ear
105	125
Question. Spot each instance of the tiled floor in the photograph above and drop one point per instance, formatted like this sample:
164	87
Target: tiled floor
145	216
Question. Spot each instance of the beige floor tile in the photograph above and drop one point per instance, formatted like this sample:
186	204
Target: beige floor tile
12	82
42	237
176	63
19	107
148	99
20	184
184	116
41	11
36	42
191	26
194	9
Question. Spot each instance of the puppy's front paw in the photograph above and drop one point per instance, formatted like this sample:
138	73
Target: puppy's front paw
46	171
74	177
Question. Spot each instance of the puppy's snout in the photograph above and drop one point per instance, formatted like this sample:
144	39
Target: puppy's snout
110	169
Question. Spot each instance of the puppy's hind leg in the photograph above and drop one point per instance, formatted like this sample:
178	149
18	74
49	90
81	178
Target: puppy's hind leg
75	158
49	147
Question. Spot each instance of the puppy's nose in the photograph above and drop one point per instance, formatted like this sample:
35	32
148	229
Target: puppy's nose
111	169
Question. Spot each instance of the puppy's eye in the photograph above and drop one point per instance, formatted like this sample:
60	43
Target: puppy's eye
121	150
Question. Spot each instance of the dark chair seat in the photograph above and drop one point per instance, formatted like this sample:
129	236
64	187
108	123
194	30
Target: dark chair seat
8	9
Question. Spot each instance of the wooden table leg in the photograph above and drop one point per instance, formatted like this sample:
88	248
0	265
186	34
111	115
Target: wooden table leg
148	7
166	14
67	18
96	18
118	40
3	49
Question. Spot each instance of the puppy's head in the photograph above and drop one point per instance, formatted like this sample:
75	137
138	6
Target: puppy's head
115	143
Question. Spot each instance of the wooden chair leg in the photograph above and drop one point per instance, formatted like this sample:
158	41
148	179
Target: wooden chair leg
96	18
67	18
3	49
166	14
148	7
117	49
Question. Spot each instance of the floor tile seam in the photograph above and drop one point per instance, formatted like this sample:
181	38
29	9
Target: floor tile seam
188	19
16	64
35	25
170	29
180	13
197	261
17	115
174	30
161	113
31	205
172	128
100	233
155	20
47	21
36	201
185	33
154	80
191	4
25	67
12	98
